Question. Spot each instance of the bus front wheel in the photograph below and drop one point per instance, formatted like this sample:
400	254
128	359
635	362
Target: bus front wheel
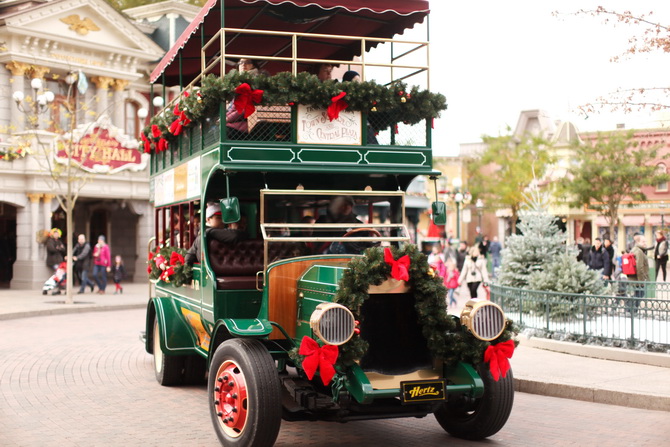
244	394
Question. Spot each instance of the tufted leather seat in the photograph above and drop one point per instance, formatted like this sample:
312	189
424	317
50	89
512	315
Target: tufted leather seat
236	265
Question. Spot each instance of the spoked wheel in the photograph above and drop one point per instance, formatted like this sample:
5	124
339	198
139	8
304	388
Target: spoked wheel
485	416
168	368
244	394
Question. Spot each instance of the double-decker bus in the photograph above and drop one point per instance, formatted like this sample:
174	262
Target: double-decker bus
282	266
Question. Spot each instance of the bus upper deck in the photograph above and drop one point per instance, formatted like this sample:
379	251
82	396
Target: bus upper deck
292	119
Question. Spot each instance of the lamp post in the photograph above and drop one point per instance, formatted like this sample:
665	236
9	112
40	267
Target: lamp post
459	197
34	107
479	205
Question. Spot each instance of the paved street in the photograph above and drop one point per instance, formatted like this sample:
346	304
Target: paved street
85	380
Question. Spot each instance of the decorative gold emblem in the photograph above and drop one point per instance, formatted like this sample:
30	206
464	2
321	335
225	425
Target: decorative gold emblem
80	26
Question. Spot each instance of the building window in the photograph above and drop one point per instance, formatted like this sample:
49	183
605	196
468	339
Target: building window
131	121
661	169
62	114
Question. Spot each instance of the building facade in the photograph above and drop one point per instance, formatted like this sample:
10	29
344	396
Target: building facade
92	64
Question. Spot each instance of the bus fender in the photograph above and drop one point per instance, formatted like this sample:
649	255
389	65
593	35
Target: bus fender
176	335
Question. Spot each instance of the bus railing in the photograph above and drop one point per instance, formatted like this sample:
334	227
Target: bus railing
629	313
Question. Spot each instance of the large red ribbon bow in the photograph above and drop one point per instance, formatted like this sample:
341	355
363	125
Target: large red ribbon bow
162	145
498	356
399	267
147	143
336	106
155	131
321	358
177	125
176	259
246	98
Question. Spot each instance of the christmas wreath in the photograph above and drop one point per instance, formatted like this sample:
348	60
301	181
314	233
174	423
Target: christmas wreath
167	265
393	104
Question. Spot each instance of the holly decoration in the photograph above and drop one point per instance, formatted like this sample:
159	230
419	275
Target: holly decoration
167	264
446	337
389	105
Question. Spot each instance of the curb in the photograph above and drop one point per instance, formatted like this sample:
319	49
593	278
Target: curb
607	397
69	310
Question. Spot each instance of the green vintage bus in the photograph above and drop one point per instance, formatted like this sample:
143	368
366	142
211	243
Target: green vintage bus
320	307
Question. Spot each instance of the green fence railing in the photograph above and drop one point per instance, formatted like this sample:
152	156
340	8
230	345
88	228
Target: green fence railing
632	311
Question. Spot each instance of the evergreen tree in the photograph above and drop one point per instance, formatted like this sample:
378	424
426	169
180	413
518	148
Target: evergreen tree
565	274
540	242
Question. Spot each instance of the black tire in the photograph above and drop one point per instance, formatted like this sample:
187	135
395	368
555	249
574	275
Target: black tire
168	368
195	367
485	416
244	385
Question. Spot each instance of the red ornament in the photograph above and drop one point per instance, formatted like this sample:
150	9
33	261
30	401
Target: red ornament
399	267
162	144
246	98
155	131
498	356
176	259
336	106
321	358
291	103
401	93
147	143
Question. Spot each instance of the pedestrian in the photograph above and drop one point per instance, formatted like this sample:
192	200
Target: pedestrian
579	244
461	254
102	264
641	270
484	246
81	255
436	256
607	245
661	253
55	249
451	281
474	271
118	273
495	249
586	250
449	252
599	259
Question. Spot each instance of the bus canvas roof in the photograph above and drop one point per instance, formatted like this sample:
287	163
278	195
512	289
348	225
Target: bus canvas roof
371	18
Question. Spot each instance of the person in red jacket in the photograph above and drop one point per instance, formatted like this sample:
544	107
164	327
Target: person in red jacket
451	281
102	264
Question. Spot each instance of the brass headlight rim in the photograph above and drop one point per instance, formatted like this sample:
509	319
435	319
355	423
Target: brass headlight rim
469	312
315	319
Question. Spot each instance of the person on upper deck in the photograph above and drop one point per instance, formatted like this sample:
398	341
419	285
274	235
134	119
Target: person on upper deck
216	229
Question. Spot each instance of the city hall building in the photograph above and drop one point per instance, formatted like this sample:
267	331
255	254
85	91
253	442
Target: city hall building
74	97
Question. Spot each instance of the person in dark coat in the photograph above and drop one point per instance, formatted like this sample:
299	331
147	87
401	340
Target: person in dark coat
599	258
55	249
607	244
461	254
586	250
215	230
81	255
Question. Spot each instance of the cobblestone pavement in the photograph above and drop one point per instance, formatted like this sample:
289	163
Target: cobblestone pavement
85	380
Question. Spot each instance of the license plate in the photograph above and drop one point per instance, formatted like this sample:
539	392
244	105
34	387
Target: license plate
418	391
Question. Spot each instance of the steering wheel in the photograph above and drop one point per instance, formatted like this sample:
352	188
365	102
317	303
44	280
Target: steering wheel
354	247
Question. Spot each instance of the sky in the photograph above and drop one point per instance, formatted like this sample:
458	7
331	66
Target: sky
493	59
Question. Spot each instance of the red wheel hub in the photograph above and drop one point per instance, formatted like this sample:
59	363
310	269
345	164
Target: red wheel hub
230	398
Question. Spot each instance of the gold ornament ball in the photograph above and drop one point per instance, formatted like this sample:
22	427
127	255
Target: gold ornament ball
374	109
403	99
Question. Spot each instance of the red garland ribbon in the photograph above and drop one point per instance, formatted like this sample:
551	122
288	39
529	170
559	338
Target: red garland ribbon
400	267
162	144
176	259
147	143
336	106
246	98
321	358
165	276
497	357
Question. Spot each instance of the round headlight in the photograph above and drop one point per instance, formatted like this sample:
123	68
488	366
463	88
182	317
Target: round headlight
333	323
484	319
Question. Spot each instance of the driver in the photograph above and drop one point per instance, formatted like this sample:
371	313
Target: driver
340	210
216	230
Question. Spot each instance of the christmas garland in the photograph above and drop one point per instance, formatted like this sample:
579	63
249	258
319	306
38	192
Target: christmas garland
393	104
13	152
167	265
446	337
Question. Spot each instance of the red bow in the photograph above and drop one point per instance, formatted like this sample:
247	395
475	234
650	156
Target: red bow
155	131
147	143
176	259
165	276
497	357
246	98
400	267
162	144
322	358
336	106
181	121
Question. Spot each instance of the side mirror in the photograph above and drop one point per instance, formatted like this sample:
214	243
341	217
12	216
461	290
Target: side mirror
439	213
230	210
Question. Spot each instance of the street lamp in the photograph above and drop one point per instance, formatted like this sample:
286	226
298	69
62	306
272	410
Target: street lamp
459	197
479	205
37	105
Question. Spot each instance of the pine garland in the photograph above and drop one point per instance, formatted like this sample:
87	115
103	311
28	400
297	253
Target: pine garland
177	273
388	105
446	338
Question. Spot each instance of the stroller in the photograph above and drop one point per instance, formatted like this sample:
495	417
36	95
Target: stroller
56	283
